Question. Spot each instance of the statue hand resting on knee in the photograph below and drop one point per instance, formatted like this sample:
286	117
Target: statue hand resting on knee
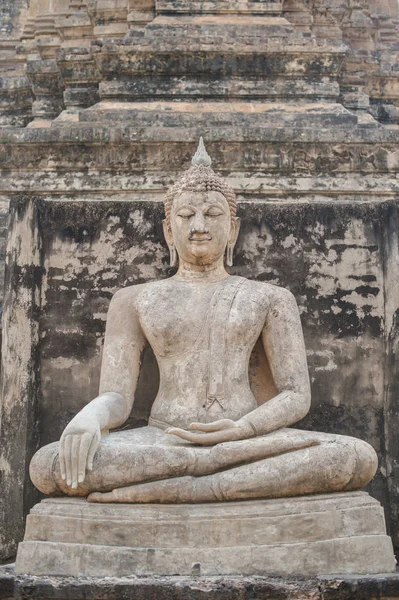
207	439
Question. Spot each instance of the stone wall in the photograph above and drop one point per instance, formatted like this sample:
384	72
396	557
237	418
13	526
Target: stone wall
66	48
4	218
195	588
12	17
334	258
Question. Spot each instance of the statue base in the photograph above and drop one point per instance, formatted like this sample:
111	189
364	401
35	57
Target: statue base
310	535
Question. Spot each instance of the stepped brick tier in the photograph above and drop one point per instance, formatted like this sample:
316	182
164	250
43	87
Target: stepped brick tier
67	54
314	535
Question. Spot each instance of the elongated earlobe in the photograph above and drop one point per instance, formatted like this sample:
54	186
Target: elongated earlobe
172	256
232	242
169	240
229	254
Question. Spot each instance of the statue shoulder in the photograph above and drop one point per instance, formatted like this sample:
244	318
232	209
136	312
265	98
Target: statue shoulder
272	294
132	293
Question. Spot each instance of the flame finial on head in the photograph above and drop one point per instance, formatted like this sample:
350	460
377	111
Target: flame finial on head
201	157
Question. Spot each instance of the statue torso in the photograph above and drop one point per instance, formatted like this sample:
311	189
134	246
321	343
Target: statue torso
202	336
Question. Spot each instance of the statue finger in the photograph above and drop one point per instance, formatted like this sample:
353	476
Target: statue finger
182	433
76	439
101	497
84	448
62	458
96	497
204	439
214	426
95	442
67	458
211	438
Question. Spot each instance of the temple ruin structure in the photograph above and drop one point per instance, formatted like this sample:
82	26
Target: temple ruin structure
102	103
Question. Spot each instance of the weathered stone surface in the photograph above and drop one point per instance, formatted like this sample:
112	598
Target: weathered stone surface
11	17
15	101
349	51
15	91
325	534
7	584
198	588
218	114
19	384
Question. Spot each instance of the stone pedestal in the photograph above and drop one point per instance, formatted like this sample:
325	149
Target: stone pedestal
315	535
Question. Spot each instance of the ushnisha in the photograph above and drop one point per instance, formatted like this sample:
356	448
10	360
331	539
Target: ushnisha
207	440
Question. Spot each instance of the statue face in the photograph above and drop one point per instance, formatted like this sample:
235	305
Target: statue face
201	226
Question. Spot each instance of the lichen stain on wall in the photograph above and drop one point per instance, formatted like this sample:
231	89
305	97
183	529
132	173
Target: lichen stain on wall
331	258
331	271
90	252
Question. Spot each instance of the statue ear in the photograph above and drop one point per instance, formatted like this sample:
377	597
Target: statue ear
234	231
169	240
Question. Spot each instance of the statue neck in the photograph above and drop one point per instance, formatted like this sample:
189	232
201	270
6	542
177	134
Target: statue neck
204	273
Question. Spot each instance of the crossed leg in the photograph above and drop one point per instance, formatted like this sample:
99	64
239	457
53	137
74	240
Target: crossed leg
336	463
148	465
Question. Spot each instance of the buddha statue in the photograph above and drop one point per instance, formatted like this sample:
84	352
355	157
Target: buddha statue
207	439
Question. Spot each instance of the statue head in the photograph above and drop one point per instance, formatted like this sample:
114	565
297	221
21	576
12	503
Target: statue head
200	222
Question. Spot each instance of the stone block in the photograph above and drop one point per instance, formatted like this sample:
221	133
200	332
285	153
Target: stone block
256	58
217	7
15	101
314	535
349	587
111	30
217	114
270	88
6	586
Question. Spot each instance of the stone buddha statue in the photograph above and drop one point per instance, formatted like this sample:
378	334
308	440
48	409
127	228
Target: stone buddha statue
207	439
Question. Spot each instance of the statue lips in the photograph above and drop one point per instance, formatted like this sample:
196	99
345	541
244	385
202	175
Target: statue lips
199	238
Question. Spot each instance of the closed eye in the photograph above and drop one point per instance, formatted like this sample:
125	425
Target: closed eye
214	212
185	213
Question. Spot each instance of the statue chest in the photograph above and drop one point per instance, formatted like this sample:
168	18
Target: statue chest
179	319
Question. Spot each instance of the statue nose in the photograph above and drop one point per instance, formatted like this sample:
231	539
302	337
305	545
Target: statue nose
198	224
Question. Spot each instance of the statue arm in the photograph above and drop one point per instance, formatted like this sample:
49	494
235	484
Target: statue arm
123	345
285	350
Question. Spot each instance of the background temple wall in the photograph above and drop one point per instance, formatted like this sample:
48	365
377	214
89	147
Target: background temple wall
331	256
335	255
320	216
